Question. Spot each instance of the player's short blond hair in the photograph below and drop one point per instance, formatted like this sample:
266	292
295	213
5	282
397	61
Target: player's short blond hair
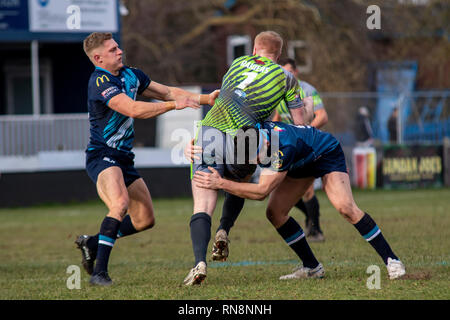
95	40
269	42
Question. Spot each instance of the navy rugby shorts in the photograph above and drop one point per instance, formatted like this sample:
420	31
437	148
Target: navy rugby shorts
98	160
331	161
216	149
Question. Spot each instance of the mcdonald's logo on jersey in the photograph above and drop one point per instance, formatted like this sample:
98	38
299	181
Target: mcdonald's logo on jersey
102	79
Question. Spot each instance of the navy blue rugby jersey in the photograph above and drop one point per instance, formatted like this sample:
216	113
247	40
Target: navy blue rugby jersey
298	145
108	127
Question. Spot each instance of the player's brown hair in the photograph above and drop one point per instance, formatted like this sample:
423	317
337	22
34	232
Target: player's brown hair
270	42
95	40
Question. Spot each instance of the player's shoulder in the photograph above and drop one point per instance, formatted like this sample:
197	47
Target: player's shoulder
101	77
307	87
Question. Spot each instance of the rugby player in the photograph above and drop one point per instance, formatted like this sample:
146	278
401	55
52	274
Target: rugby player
309	205
304	154
112	106
251	89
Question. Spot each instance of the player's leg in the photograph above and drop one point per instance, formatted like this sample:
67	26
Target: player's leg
200	230
140	215
232	207
314	233
113	192
281	200
213	142
338	189
300	205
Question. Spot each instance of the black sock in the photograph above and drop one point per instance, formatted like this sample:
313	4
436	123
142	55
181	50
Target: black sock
312	207
200	235
231	209
294	236
126	227
106	240
370	231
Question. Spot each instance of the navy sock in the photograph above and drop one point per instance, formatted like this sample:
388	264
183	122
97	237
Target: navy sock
231	209
370	231
126	227
106	240
200	235
294	236
312	207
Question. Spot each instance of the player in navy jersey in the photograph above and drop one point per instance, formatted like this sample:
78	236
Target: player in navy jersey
309	205
112	91
301	154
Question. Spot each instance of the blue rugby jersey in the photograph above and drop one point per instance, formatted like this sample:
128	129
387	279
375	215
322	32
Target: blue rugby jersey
298	145
108	127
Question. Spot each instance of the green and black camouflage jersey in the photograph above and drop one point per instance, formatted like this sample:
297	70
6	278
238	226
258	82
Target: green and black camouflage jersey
251	90
307	90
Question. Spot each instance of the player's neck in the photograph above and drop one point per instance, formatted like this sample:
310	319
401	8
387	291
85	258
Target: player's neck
113	71
270	57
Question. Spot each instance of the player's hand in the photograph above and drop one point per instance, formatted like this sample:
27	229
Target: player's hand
213	96
186	102
208	180
191	150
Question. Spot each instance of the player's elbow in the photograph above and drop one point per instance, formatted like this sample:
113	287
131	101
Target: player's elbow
134	111
260	196
263	193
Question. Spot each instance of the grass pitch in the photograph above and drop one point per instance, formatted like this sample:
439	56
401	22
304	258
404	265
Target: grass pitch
37	246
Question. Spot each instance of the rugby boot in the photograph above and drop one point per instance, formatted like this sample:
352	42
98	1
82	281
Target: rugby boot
196	275
220	246
101	279
395	269
304	272
87	255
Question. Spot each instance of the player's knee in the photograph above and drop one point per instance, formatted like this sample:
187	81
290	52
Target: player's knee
270	215
349	212
120	206
149	223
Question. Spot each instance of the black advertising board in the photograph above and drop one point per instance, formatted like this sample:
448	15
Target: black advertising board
412	166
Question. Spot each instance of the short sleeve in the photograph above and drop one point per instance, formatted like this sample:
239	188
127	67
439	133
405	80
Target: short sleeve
293	94
104	88
144	80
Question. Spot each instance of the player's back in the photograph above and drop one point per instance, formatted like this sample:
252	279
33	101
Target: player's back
251	89
303	143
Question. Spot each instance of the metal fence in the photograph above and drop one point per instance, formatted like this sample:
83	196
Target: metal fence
425	117
27	135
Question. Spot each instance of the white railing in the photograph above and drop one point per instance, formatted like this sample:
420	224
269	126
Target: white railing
27	135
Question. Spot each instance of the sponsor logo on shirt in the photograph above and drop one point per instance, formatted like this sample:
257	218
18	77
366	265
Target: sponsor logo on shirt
103	78
109	91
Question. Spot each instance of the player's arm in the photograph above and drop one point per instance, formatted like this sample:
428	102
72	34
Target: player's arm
320	118
145	110
268	181
276	116
165	93
305	114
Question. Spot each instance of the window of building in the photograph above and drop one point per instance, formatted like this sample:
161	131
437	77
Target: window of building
18	89
237	46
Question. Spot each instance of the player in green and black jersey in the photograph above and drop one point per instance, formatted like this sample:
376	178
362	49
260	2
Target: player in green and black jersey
251	89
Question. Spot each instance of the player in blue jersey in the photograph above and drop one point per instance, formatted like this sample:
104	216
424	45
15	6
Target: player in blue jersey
309	205
112	106
300	155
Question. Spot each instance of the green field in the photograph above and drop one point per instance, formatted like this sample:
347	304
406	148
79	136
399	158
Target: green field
37	246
